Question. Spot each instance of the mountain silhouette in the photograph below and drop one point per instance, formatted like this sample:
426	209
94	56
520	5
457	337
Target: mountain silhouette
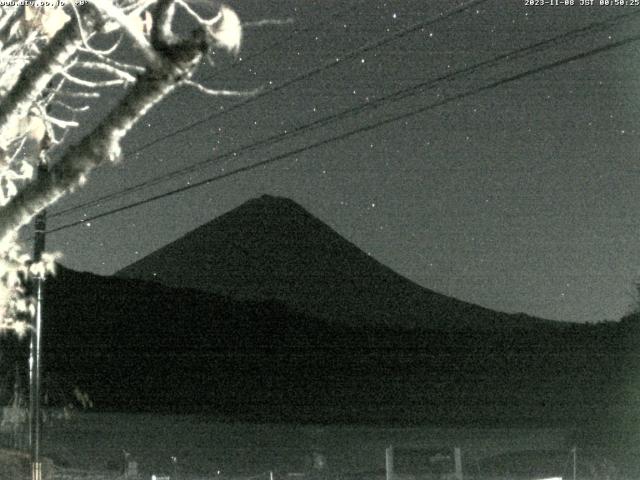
272	248
134	345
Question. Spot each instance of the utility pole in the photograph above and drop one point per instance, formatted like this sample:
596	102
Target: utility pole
34	354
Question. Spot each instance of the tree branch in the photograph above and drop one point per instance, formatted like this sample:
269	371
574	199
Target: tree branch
103	143
8	22
130	29
34	77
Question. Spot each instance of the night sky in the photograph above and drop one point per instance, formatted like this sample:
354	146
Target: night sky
521	198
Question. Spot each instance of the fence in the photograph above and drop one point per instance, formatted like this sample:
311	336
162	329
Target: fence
437	463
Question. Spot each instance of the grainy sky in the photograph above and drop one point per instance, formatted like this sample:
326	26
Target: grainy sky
522	198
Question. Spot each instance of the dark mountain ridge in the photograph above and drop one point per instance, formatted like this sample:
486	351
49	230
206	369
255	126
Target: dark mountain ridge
136	345
272	248
261	340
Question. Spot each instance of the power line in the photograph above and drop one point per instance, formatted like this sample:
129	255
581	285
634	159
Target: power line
412	88
314	71
352	111
362	129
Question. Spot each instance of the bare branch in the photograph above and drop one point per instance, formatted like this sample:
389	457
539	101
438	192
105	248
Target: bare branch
84	95
59	122
161	33
17	150
35	76
103	143
108	69
130	28
69	107
198	18
268	22
221	93
119	65
87	48
9	22
91	84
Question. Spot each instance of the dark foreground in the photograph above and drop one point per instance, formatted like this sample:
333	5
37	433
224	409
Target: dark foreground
203	447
